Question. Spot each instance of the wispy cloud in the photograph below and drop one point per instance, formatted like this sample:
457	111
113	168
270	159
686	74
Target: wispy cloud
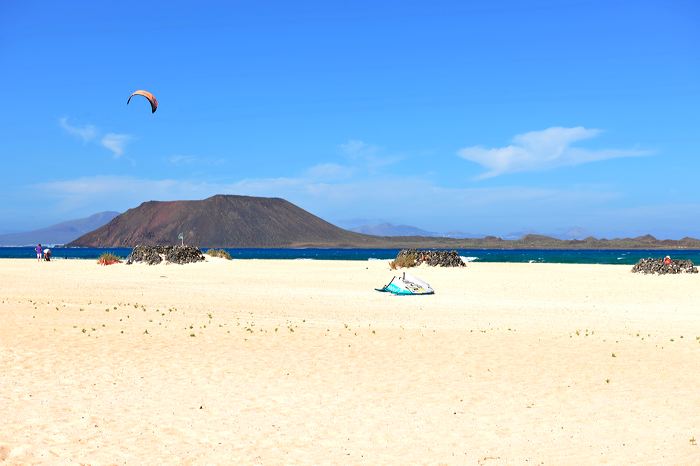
329	171
180	160
86	132
341	199
358	149
336	191
109	185
100	192
540	150
115	142
371	157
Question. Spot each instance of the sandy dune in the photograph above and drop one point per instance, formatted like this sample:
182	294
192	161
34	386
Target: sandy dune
301	362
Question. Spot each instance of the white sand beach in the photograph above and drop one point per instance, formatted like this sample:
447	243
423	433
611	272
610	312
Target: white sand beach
302	362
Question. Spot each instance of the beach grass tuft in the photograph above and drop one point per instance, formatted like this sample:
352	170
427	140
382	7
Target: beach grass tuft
403	260
219	253
108	258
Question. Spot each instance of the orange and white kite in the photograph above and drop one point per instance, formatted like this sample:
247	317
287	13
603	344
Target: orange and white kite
151	98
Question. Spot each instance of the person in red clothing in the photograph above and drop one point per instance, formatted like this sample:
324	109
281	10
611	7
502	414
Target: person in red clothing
667	260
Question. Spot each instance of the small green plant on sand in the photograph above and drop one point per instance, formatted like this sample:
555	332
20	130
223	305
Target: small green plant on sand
219	253
108	258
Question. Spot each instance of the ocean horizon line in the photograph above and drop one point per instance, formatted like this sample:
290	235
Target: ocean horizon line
561	256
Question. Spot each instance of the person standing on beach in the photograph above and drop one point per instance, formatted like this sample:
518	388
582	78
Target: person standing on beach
39	252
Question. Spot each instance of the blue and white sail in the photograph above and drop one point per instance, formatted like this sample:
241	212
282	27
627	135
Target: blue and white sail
407	285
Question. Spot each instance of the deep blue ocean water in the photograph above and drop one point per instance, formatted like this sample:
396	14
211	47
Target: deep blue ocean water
615	256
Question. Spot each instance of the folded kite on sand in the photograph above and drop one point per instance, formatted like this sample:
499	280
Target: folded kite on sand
407	285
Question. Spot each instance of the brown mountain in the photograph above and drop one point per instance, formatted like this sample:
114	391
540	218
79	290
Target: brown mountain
221	221
250	222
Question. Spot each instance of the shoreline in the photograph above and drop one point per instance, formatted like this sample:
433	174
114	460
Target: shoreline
554	256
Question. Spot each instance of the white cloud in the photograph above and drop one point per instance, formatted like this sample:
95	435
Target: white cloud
105	184
180	160
86	133
339	191
496	210
358	149
96	193
540	150
329	171
371	157
488	210
115	142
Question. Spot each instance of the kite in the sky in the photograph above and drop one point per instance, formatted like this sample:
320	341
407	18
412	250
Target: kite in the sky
151	98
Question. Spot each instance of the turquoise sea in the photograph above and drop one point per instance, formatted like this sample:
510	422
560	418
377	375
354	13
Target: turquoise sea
561	256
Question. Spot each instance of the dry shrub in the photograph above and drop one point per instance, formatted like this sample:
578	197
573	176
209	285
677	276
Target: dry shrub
404	260
219	253
108	258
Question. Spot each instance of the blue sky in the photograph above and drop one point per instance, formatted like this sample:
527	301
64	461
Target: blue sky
486	117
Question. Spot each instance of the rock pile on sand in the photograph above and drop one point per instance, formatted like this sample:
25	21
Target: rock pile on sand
414	257
152	255
657	266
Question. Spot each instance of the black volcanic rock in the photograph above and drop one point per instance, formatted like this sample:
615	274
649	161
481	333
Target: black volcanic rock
415	257
658	266
153	255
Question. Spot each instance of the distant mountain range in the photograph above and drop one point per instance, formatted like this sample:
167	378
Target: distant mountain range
572	233
61	233
389	229
257	222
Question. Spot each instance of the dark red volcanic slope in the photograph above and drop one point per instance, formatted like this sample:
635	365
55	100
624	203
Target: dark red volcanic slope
221	221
